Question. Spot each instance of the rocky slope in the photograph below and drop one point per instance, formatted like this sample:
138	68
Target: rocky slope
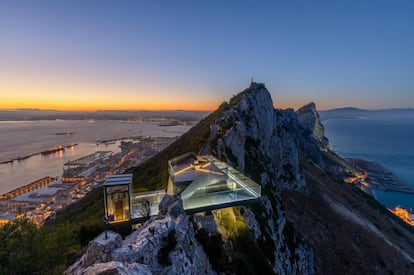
164	245
349	231
307	221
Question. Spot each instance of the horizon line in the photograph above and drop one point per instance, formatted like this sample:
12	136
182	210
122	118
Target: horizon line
181	110
102	110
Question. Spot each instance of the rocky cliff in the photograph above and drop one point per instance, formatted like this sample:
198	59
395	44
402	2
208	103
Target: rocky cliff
164	245
264	144
309	119
307	220
251	135
312	140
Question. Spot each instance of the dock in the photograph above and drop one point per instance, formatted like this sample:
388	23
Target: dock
47	152
27	188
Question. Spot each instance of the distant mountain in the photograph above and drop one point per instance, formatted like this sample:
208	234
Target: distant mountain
36	114
351	112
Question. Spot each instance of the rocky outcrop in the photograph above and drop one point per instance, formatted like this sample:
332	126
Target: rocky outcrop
309	119
163	245
255	138
263	143
117	268
98	251
312	140
166	244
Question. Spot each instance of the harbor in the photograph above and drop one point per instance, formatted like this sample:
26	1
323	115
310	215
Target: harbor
40	199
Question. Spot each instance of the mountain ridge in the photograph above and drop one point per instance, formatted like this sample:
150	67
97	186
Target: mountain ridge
308	221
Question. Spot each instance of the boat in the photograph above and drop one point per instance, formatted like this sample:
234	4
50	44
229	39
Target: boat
53	150
64	133
71	145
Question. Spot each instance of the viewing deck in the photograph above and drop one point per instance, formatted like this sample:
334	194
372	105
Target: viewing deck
204	183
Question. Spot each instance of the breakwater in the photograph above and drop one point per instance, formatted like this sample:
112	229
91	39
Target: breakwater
27	188
47	152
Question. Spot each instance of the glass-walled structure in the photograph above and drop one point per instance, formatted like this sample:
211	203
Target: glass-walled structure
206	183
145	204
117	190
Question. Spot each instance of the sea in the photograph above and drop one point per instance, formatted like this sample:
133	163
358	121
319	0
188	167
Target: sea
22	138
387	141
390	142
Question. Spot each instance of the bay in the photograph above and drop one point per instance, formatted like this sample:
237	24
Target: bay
21	138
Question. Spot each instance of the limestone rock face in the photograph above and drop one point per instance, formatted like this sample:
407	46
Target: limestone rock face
254	137
309	119
163	245
312	140
166	245
264	144
98	251
117	268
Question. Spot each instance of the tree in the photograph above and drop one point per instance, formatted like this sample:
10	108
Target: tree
144	209
27	249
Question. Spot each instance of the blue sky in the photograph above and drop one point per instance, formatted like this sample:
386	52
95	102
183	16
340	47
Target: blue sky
196	54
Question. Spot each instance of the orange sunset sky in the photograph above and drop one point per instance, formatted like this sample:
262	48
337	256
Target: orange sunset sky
194	55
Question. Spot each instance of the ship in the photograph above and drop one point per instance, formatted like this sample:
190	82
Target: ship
64	133
53	150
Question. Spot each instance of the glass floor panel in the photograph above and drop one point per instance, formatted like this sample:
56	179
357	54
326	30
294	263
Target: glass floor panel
217	198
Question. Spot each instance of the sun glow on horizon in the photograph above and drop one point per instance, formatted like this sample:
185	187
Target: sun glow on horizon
37	93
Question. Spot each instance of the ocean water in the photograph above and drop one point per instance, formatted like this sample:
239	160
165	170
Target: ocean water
21	138
390	142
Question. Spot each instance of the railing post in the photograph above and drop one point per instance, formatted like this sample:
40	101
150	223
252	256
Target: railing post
105	224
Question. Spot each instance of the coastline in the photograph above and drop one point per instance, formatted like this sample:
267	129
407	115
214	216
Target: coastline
389	162
379	177
40	201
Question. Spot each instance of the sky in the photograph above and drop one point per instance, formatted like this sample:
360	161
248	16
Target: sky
193	55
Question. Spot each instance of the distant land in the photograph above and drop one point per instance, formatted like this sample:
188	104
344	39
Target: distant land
351	113
36	114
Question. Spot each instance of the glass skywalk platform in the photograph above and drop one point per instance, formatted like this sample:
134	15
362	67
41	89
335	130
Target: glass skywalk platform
204	183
